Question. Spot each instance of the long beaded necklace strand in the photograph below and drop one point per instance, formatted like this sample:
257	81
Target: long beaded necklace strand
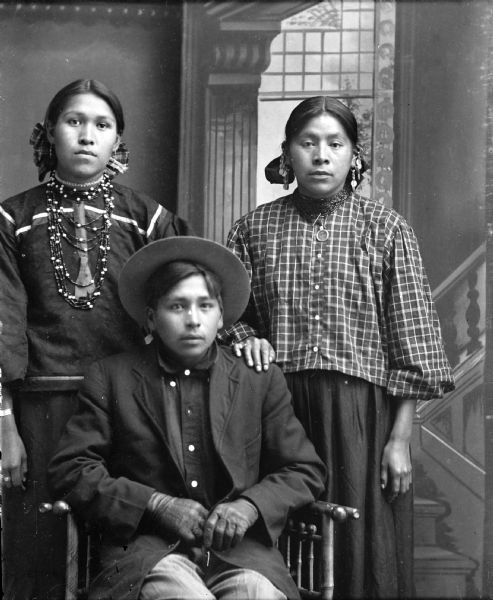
58	230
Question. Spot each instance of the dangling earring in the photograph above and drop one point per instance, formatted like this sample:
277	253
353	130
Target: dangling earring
284	171
354	183
148	334
356	170
50	153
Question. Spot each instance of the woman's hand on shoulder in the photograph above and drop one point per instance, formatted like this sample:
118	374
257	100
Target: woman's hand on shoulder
257	352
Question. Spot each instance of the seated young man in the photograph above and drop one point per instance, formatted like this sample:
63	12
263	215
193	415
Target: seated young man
185	461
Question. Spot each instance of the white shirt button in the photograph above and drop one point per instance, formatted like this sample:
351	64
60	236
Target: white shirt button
187	372
194	483
191	448
317	317
317	287
315	348
172	383
319	255
188	411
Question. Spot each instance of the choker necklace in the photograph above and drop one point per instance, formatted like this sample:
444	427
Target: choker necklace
59	229
75	186
312	208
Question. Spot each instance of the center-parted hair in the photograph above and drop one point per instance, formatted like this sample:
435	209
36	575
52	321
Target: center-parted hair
316	106
84	86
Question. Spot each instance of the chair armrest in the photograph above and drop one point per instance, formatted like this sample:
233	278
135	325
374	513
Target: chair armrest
337	512
307	545
61	508
58	508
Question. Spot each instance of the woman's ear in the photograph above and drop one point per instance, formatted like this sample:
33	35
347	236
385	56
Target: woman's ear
117	143
356	161
49	132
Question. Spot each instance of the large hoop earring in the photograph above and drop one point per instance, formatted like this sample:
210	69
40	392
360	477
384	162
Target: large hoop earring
284	171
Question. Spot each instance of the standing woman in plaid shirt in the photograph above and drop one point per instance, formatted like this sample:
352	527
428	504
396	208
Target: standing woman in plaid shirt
341	302
63	244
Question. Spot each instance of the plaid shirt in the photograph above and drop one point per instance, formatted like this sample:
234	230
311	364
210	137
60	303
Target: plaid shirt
358	303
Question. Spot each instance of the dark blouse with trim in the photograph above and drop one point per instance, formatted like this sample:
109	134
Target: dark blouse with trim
42	335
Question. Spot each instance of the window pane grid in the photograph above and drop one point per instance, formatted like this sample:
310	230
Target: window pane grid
336	56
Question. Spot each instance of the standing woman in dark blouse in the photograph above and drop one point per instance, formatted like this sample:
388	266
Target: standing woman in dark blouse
63	245
341	301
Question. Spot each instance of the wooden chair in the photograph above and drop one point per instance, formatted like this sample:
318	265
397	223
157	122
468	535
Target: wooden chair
307	545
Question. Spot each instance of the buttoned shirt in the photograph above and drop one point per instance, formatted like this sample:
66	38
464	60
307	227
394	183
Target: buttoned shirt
184	413
357	300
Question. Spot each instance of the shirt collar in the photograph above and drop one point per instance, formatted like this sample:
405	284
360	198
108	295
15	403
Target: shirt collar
169	365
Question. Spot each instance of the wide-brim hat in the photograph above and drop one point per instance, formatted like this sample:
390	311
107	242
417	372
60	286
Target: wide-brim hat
139	268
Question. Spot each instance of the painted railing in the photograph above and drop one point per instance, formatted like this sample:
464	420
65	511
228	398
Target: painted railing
461	301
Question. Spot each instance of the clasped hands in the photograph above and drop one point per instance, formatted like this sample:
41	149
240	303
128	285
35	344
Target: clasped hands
221	528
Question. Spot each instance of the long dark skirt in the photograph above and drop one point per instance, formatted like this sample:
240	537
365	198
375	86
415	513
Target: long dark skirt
349	421
33	544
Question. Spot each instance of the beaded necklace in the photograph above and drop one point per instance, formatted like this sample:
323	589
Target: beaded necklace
59	225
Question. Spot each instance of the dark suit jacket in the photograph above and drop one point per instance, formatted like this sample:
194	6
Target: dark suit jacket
114	455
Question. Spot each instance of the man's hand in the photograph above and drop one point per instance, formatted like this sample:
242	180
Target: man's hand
228	523
181	516
257	352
